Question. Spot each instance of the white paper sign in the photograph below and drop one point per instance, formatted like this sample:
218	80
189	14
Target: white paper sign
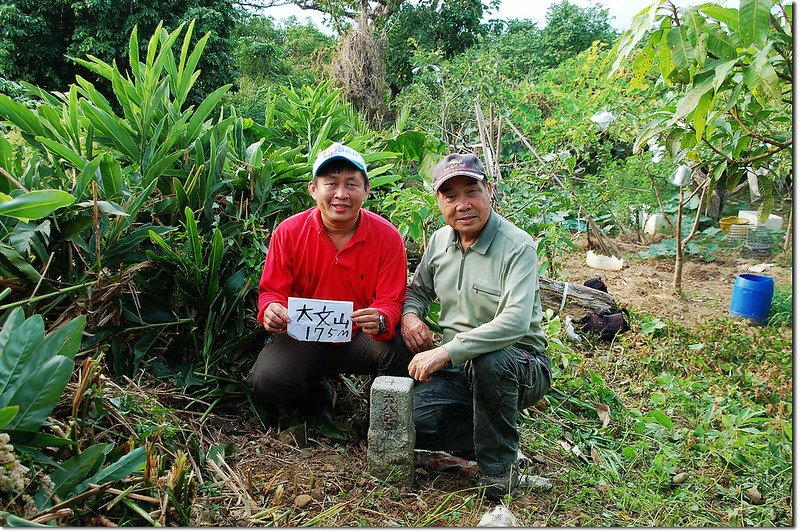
319	320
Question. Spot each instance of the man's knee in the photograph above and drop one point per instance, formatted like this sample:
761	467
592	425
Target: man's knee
275	383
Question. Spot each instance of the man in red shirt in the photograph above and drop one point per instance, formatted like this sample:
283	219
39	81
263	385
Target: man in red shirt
335	251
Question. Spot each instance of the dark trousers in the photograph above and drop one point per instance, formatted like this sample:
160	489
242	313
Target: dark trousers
287	370
473	407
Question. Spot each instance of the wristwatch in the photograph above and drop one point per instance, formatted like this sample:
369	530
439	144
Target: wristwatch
382	323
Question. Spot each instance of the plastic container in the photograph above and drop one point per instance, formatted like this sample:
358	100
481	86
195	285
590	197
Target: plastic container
602	262
752	297
726	223
655	223
773	222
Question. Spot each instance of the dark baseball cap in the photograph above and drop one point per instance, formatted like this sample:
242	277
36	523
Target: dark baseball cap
457	164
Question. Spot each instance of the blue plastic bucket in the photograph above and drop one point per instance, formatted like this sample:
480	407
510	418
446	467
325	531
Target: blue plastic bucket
752	297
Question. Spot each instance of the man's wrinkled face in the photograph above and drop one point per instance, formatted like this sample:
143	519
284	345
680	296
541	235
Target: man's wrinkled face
339	196
465	204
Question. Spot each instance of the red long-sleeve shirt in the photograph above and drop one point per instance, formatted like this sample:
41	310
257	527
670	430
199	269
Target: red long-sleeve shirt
370	270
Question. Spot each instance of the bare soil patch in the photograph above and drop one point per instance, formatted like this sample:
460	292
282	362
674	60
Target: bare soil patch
646	285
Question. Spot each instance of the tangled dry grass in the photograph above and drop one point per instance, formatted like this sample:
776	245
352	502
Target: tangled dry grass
359	69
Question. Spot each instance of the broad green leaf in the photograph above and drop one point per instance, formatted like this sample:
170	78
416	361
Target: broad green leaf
727	15
133	53
694	24
112	126
681	48
96	65
754	22
7	413
658	124
202	112
86	176
662	419
12	520
94	96
762	80
768	204
58	148
719	169
111	172
64	341
23	267
644	60
721	72
384	180
665	64
38	392
20	116
14	320
214	261
720	44
36	204
692	98
124	466
78	468
700	114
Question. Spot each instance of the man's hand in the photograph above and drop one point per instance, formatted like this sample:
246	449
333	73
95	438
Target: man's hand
416	334
369	319
276	317
425	364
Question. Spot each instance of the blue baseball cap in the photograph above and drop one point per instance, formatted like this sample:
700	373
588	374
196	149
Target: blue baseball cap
338	151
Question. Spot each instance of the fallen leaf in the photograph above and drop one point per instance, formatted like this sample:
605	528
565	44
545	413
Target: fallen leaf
595	456
755	496
301	501
567	447
604	413
680	478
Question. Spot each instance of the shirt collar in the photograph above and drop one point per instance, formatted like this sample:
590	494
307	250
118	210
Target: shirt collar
361	231
486	237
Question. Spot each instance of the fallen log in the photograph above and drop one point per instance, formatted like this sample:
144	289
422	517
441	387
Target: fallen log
579	299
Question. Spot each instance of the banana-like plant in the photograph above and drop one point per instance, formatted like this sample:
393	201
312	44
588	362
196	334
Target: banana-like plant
34	371
207	290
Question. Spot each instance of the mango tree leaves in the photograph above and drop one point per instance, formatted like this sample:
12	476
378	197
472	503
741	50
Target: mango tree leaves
754	22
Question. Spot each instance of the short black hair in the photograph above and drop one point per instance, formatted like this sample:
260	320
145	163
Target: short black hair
340	165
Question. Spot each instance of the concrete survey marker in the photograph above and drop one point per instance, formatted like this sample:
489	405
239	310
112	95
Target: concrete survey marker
391	436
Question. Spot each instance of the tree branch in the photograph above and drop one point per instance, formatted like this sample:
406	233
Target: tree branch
734	112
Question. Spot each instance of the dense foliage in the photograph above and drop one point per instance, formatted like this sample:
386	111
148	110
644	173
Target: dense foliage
137	196
37	39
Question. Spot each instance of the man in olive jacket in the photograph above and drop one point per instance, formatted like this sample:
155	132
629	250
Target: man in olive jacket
491	362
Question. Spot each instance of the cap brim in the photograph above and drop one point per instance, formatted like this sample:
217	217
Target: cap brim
337	158
437	184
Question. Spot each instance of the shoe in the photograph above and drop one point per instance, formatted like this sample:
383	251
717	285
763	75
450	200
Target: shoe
497	487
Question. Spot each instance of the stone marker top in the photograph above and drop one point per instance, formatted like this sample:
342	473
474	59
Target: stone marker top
396	384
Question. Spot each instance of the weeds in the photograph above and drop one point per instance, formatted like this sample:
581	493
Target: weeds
700	432
781	311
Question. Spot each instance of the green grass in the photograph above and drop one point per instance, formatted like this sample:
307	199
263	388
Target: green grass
780	312
714	402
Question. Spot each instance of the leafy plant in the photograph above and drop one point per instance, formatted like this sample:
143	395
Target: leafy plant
781	312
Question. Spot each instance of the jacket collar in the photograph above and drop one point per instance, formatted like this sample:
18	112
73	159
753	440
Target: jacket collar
486	237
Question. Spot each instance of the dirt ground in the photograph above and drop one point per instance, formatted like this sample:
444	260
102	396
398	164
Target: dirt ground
646	285
298	477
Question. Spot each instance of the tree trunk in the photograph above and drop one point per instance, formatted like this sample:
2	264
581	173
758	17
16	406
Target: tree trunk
787	242
676	280
579	298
